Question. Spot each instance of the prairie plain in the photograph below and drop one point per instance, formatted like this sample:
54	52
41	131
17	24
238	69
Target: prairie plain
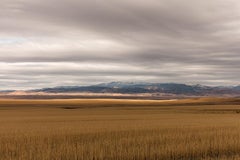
102	129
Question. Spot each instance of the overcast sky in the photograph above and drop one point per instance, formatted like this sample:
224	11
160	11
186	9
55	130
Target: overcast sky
46	43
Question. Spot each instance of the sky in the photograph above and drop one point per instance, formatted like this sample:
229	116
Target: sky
51	43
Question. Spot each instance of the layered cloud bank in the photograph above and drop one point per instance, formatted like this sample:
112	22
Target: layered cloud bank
69	42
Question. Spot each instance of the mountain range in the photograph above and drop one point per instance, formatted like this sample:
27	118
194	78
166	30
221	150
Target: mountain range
152	88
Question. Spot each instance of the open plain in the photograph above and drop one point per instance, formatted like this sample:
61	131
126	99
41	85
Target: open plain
102	129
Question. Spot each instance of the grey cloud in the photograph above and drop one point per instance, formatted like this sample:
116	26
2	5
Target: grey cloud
187	41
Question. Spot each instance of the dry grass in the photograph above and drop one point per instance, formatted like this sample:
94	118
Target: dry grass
119	129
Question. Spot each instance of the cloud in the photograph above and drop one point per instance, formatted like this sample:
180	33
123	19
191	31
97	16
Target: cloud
49	43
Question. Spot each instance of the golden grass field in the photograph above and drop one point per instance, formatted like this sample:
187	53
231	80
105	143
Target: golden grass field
94	129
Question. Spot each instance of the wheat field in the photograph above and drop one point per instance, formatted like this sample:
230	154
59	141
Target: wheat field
198	129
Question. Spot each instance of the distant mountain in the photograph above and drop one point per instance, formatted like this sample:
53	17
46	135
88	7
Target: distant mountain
237	88
6	91
135	88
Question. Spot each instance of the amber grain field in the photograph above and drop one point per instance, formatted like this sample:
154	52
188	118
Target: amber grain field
95	129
